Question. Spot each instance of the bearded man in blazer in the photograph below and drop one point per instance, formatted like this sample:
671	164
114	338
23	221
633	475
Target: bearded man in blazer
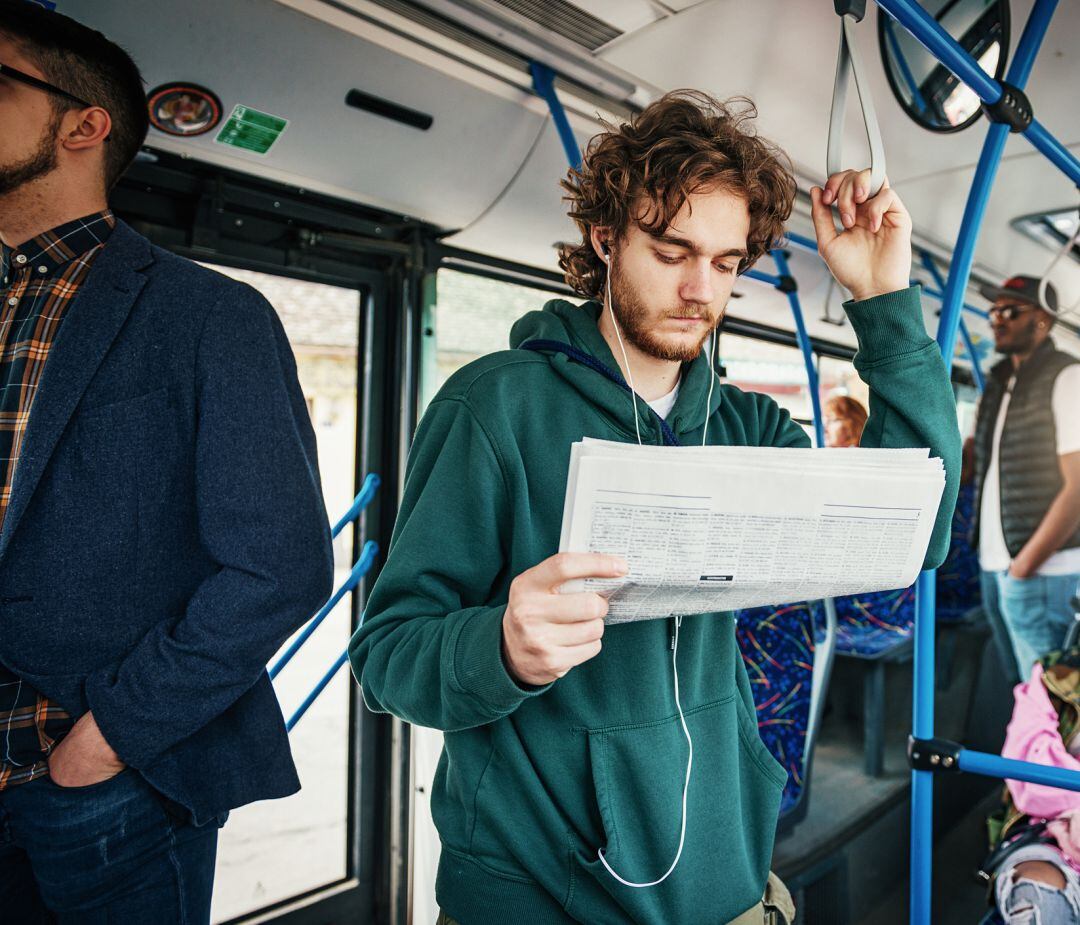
163	529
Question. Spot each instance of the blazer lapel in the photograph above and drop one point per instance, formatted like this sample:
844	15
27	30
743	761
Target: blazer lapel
91	325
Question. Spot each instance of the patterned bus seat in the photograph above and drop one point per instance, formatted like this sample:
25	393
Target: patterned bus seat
958	590
869	625
777	646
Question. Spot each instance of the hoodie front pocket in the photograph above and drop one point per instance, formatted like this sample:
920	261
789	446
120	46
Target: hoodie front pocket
639	773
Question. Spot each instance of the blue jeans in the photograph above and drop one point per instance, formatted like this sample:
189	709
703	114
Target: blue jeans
108	853
1024	901
1036	612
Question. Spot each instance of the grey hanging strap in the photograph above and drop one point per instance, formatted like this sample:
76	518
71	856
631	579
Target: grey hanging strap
848	65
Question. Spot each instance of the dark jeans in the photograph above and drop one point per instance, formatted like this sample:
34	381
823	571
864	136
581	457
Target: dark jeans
108	853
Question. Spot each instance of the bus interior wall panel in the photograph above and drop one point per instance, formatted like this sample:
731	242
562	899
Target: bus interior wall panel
533	192
327	145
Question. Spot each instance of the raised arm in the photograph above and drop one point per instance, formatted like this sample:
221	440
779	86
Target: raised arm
911	397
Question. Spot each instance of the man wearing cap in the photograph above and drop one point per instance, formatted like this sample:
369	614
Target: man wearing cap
1027	449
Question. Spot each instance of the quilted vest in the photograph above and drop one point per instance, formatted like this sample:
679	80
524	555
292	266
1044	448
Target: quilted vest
1030	477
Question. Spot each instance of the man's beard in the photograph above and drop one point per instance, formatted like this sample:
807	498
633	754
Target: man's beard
633	318
1021	341
43	161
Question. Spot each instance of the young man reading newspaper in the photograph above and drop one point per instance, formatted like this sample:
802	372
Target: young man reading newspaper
562	777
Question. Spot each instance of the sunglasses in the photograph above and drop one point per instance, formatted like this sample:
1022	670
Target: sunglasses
12	74
1009	312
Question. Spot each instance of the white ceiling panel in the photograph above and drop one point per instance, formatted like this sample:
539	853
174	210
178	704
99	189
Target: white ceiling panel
279	60
530	216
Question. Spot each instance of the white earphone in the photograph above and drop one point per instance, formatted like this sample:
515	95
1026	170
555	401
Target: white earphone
678	622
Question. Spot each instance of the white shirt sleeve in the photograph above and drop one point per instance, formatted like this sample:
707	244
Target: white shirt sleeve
1066	405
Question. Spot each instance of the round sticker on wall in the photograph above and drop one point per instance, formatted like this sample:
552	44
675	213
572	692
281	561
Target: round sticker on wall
184	109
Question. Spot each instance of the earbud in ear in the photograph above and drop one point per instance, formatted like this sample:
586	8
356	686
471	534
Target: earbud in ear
607	251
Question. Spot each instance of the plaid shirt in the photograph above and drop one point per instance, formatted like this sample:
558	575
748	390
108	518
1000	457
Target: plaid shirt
38	281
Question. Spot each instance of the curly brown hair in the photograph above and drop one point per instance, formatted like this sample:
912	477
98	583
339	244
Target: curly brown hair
685	142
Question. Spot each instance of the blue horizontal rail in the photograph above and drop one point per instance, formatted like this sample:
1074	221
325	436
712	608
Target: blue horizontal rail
361	501
938	294
935	274
762	277
926	30
362	567
809	244
801	240
1010	769
317	690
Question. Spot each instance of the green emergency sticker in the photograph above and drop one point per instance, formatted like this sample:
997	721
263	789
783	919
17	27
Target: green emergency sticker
251	130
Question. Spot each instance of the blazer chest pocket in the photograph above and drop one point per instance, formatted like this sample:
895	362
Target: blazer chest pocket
95	495
113	434
117	413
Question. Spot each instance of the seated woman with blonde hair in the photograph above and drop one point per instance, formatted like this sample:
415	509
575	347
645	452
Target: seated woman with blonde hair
844	419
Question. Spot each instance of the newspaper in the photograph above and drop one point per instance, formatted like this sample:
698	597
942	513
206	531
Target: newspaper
706	529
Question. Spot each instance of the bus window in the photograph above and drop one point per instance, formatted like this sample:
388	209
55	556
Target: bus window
774	369
472	317
838	377
276	849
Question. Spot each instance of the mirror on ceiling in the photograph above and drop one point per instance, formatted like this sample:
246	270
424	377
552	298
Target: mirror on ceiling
928	92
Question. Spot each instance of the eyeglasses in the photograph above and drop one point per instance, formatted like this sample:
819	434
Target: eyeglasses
1008	312
12	74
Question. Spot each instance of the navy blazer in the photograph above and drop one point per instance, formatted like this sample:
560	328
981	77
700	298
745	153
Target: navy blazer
166	530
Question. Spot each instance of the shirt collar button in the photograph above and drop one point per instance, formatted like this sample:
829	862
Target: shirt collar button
20	258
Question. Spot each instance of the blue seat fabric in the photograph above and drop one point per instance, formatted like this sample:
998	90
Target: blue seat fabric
868	625
777	645
958	590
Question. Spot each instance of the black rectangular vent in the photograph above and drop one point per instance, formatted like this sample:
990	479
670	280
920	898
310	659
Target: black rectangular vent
565	19
358	99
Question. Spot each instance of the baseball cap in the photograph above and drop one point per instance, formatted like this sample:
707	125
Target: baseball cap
1024	289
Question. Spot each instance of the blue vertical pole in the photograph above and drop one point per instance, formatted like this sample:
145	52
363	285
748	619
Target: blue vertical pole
922	723
976	366
922	783
804	345
969	345
996	136
964	254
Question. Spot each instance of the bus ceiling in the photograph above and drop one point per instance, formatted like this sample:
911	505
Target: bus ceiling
426	109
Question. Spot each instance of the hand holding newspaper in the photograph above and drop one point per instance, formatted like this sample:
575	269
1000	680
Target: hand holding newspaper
722	528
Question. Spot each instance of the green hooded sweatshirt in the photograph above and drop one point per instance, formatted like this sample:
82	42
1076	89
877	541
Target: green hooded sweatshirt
532	782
